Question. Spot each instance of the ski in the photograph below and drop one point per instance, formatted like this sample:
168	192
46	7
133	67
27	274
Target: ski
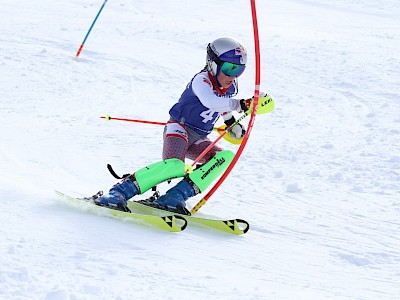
232	226
171	222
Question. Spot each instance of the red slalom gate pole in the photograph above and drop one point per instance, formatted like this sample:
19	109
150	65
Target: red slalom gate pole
252	117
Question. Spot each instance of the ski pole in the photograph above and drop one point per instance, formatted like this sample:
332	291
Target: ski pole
90	29
265	105
108	118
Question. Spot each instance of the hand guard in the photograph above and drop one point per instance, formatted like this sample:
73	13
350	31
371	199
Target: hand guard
246	103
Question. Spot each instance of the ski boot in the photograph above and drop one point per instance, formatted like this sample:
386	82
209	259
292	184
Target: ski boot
118	195
174	199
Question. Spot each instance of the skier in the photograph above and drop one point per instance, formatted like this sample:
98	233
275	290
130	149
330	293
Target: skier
207	96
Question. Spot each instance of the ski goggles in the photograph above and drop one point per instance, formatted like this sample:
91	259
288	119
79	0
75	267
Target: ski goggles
228	68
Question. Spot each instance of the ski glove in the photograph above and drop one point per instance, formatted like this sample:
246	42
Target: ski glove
245	104
237	131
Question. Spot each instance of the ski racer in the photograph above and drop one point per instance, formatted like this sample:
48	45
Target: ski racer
207	97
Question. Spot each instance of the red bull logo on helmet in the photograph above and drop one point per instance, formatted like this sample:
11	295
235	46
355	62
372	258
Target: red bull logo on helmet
240	51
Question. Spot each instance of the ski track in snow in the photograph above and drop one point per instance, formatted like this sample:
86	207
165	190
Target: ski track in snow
318	181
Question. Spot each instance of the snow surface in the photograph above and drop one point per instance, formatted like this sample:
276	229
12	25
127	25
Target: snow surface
319	180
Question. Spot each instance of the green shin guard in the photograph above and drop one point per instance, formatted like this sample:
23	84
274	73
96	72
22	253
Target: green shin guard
205	175
153	174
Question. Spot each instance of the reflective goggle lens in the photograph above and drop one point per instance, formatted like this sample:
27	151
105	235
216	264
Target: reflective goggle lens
230	69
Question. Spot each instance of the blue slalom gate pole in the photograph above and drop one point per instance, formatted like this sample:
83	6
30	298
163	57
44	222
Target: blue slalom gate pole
90	29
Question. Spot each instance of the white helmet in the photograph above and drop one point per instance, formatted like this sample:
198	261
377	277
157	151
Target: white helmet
227	55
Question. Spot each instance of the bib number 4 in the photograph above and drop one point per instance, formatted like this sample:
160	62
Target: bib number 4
207	116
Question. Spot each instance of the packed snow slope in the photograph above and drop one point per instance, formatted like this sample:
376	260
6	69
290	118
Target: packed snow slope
319	180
